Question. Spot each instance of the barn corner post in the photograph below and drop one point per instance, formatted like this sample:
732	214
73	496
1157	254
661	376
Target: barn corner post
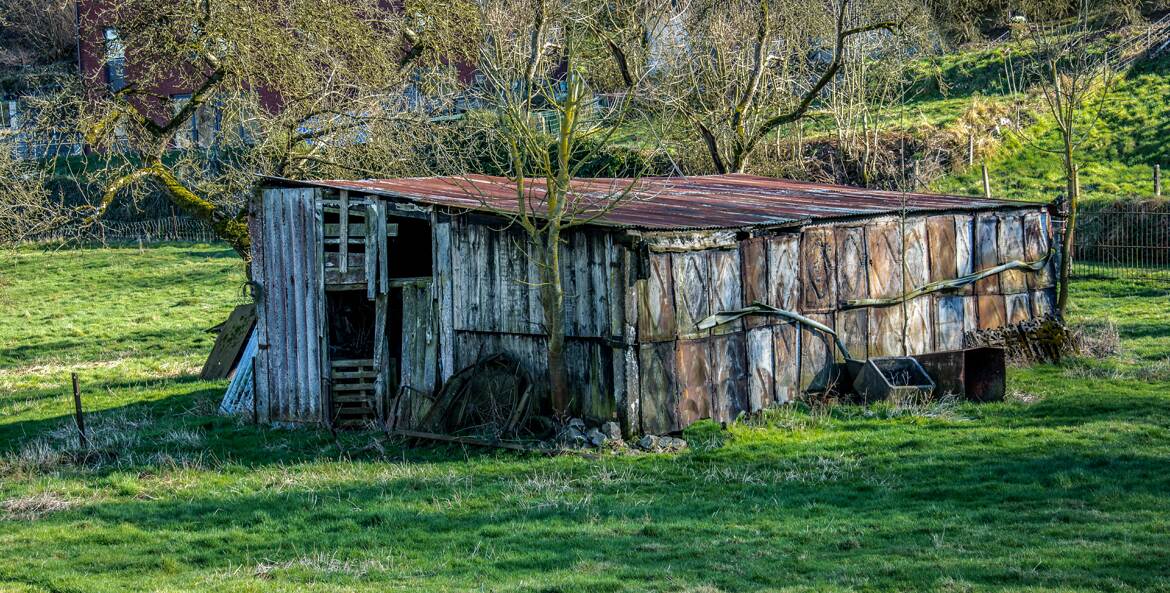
258	229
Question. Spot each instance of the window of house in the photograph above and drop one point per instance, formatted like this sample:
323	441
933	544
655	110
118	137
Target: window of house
187	134
115	60
210	120
202	129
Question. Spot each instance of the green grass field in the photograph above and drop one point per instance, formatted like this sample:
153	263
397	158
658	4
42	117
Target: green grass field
1065	487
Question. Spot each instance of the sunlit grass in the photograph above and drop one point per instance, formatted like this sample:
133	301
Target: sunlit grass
1116	162
1062	488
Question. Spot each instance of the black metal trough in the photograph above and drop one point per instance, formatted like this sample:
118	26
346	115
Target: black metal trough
895	378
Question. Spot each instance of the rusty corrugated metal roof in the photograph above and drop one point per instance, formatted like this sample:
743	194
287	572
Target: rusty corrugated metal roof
669	203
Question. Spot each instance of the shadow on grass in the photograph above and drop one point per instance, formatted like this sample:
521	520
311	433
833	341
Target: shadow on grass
225	253
65	394
82	347
1143	330
1067	493
194	403
226	440
1010	519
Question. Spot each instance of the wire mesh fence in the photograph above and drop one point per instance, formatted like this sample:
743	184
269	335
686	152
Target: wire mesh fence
1129	240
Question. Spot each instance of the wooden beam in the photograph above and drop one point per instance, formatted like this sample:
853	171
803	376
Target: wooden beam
78	416
444	438
343	237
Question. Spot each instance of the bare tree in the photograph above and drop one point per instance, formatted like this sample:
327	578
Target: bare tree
541	64
746	68
289	88
37	31
27	207
862	105
1070	69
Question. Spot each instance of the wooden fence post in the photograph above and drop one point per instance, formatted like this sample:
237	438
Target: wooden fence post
1157	181
986	182
77	414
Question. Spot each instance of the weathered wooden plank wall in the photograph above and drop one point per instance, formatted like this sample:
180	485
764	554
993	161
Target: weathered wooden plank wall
818	265
692	292
289	360
258	228
942	247
884	257
634	348
685	373
656	318
495	286
443	295
695	379
853	327
488	287
589	363
419	359
816	350
761	368
378	289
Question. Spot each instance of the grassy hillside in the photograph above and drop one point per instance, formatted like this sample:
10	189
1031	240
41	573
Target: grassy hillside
1117	160
1062	488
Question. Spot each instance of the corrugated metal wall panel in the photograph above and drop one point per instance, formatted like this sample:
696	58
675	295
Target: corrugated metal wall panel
884	257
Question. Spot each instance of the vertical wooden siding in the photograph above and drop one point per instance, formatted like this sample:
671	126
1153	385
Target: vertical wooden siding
487	291
287	268
495	286
420	338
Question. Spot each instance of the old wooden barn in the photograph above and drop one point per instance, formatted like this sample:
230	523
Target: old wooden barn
368	291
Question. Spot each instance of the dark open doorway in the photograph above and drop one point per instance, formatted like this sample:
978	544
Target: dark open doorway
355	323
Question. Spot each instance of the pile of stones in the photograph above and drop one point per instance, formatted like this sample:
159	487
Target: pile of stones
576	434
660	444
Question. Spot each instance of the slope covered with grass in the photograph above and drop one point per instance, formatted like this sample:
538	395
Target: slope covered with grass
1062	488
1117	160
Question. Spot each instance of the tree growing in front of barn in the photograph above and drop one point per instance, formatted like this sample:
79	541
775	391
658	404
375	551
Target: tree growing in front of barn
541	63
743	69
291	88
1071	70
